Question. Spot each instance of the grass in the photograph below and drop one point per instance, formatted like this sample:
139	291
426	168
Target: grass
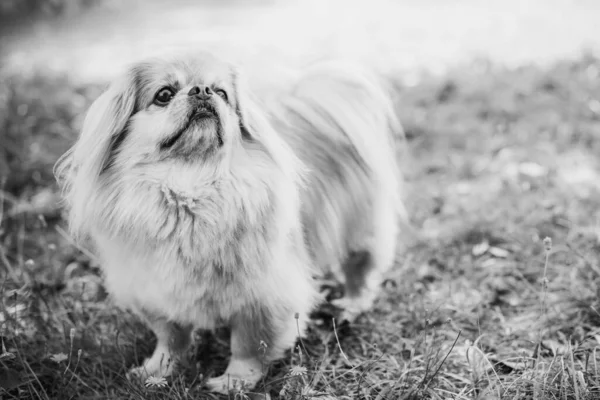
481	307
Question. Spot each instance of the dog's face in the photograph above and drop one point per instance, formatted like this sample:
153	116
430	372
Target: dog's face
187	109
183	109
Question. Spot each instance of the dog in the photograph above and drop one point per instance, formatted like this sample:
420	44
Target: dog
209	208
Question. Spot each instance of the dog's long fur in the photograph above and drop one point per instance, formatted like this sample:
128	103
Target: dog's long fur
203	235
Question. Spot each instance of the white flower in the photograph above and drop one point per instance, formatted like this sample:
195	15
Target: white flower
154	381
297	370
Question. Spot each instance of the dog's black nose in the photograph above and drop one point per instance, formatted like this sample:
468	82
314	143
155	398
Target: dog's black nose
203	92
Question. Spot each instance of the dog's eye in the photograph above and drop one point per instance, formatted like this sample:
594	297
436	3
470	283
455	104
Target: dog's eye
163	96
222	93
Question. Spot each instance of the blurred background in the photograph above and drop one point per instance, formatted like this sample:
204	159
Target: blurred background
91	39
500	101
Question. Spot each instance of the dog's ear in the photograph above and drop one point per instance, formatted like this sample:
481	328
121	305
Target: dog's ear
244	106
78	170
104	125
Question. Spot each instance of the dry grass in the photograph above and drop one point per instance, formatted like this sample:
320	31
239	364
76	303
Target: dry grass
480	308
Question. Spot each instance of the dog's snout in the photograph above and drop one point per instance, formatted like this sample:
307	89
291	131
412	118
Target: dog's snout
203	92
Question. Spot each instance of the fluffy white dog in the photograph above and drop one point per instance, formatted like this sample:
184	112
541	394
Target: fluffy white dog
208	209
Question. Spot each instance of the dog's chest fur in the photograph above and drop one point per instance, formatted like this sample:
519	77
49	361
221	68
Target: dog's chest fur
196	255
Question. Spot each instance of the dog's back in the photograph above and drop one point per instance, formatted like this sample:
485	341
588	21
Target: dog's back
342	125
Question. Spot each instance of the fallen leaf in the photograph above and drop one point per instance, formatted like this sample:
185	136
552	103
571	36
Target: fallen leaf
498	252
481	248
490	262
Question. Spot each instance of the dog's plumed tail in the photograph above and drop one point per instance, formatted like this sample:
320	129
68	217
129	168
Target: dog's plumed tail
354	101
342	124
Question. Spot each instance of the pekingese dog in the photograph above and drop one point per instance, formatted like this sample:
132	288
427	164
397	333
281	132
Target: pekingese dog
207	208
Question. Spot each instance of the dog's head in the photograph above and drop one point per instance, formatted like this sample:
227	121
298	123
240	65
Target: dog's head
188	108
166	118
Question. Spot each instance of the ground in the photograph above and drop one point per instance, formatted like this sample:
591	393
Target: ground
480	306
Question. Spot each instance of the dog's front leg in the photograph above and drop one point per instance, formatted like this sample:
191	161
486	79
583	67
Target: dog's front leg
172	340
258	337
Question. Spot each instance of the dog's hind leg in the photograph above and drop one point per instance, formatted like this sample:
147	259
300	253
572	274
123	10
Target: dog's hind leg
372	257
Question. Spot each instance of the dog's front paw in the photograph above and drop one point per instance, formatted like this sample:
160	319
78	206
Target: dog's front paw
158	368
137	374
239	375
224	384
353	307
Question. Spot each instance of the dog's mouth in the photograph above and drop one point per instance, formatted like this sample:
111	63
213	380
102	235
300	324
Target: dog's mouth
202	112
